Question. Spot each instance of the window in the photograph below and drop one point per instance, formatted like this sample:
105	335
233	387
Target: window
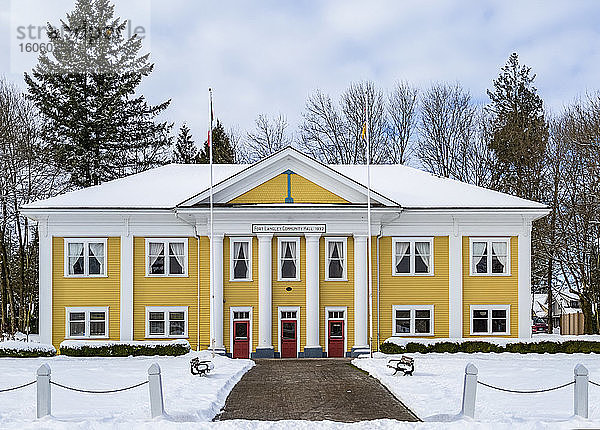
336	315
412	320
490	256
163	321
87	322
85	257
490	319
289	258
241	259
288	315
336	258
412	256
241	315
166	257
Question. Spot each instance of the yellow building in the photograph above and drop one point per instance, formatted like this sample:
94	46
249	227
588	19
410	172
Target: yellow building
131	259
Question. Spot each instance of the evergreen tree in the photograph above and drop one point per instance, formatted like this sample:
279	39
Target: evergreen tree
519	130
223	152
185	151
98	127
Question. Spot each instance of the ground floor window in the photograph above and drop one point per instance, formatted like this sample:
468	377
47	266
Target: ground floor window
412	320
87	322
166	321
490	319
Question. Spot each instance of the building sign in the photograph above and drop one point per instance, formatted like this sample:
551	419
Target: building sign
288	228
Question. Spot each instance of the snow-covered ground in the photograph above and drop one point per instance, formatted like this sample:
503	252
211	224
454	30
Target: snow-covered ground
541	337
188	398
434	393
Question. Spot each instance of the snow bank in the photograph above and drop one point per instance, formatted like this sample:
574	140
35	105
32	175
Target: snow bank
536	338
9	348
78	344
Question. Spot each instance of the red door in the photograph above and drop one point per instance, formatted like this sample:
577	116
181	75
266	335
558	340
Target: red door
241	340
335	339
288	339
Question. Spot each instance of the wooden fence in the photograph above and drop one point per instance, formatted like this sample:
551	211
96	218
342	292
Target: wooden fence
571	323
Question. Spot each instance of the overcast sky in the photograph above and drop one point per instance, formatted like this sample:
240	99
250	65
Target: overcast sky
268	56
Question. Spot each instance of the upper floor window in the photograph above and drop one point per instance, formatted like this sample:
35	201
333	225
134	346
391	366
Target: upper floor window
412	256
241	259
289	258
166	257
85	257
87	322
490	256
335	248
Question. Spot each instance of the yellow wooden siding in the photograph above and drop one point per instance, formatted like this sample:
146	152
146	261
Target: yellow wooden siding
276	190
240	293
336	293
164	290
411	290
296	297
491	290
101	291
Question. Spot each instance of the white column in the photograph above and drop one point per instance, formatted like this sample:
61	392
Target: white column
217	291
455	285
265	271
360	293
524	294
312	348
126	311
45	283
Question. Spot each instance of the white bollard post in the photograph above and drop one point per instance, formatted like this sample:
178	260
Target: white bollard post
44	401
580	399
155	387
469	391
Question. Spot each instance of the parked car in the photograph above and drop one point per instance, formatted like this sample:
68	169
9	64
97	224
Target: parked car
539	326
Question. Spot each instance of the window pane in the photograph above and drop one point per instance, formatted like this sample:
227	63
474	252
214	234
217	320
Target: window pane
157	265
175	267
77	328
499	248
421	263
95	265
402	326
288	249
480	326
176	328
499	325
176	248
499	313
179	316
422	325
402	314
336	329
336	270
422	314
241	331
497	266
156	316
76	265
480	253
288	269
77	316
402	255
482	313
403	266
97	316
240	269
288	331
97	328
157	327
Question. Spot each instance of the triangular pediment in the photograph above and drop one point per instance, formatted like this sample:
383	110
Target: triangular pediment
288	177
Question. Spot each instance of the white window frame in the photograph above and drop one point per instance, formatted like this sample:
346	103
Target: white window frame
345	319
232	310
280	240
413	309
344	240
232	240
87	310
165	242
86	256
489	308
489	241
297	319
412	250
166	310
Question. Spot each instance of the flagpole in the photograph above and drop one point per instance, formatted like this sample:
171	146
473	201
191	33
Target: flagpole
212	254
369	245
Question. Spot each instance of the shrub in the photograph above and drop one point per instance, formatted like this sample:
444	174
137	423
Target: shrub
19	349
123	349
543	347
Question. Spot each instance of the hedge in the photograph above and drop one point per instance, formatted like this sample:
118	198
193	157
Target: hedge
18	349
567	347
103	349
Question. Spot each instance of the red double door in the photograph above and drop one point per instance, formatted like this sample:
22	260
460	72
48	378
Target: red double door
241	339
289	339
335	338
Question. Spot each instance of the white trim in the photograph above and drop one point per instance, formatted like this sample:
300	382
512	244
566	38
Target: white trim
233	239
524	281
344	240
166	310
288	309
45	275
336	309
489	308
412	255
86	258
281	239
165	241
489	241
86	310
126	288
455	284
412	309
233	309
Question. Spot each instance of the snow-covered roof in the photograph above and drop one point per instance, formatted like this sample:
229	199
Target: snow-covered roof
168	186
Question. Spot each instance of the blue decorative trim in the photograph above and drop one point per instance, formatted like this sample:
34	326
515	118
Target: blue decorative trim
316	352
289	198
264	353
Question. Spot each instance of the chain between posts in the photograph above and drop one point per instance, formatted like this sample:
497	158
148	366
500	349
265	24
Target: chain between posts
543	390
98	391
17	387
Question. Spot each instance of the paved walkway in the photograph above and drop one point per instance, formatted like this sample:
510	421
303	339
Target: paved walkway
311	389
